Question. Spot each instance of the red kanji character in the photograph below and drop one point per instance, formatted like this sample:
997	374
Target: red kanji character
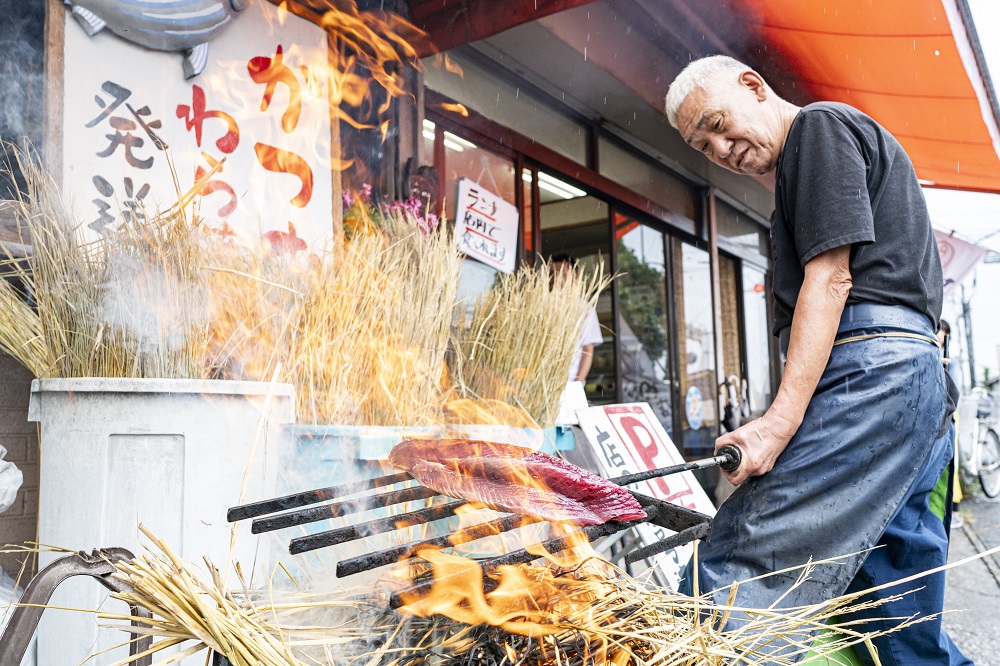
283	161
272	72
196	114
213	186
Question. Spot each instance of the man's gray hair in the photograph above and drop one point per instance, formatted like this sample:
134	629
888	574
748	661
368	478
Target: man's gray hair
700	75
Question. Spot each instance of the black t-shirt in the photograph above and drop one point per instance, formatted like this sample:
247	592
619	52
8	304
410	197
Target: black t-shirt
842	179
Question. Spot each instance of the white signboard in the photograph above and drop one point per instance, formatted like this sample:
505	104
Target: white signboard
958	258
627	439
486	226
261	105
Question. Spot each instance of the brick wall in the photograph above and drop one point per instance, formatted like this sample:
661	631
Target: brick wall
18	524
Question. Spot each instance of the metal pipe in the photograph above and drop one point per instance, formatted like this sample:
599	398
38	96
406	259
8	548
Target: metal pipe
308	497
361	563
351	532
337	509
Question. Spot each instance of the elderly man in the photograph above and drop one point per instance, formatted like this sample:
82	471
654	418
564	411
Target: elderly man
858	434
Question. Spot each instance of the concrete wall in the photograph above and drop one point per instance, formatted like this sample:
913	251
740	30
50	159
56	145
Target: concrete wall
19	523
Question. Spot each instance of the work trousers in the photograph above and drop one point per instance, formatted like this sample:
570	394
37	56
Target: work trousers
858	471
915	541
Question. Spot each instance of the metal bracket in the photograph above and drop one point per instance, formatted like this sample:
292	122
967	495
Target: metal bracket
99	564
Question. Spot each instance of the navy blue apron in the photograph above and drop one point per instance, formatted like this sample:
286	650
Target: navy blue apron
871	432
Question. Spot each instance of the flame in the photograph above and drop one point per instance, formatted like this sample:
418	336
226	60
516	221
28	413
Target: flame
452	66
542	602
487	411
455	108
523	599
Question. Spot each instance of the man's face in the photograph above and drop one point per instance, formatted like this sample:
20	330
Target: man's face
734	126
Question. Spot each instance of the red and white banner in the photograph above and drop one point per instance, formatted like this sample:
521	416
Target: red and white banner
958	258
627	439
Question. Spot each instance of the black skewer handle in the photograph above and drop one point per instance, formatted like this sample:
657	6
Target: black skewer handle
734	457
728	458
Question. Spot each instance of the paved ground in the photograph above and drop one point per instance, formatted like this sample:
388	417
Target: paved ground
974	588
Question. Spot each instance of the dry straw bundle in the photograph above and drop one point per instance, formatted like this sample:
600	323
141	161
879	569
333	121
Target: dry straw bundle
592	614
362	333
369	342
130	305
519	341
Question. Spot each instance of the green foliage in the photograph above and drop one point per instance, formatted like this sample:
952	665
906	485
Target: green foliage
640	289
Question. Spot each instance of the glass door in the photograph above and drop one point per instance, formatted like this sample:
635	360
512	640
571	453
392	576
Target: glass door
578	225
699	417
642	320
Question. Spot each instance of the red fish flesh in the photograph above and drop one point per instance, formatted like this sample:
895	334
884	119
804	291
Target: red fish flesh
515	479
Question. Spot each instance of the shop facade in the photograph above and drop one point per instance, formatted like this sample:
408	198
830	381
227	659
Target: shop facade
687	315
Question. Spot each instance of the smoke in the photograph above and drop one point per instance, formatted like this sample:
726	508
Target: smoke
150	305
22	57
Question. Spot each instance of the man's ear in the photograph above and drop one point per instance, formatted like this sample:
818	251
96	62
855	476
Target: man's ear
752	80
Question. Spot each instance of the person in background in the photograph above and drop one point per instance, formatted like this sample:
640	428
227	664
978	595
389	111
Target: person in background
563	266
944	339
859	433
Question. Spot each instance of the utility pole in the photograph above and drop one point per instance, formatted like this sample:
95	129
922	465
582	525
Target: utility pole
967	321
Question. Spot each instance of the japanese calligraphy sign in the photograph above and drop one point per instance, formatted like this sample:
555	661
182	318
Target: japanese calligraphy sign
486	226
627	439
260	110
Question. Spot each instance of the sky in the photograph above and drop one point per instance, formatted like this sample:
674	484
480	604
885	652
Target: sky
975	217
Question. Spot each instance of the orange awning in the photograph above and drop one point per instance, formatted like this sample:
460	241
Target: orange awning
913	65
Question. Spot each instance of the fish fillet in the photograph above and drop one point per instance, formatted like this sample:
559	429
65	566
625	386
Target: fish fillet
515	479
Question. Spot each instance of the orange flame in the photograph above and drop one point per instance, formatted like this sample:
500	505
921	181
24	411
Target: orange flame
456	108
526	600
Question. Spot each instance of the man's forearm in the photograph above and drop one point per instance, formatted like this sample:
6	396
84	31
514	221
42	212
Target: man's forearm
814	327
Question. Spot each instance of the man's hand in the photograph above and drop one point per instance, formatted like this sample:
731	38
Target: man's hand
761	442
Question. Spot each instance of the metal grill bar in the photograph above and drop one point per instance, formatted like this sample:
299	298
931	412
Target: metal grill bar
682	537
554	545
338	509
308	497
382	558
351	532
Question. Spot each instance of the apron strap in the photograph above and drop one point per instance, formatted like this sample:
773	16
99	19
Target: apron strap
891	334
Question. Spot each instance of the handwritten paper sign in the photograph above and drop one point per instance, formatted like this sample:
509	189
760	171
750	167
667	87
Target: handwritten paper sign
486	226
261	105
627	439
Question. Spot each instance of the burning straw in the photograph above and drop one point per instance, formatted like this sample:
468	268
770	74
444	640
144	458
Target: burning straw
591	613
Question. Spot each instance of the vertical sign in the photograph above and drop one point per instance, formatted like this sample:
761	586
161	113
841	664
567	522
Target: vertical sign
260	109
486	226
628	439
958	258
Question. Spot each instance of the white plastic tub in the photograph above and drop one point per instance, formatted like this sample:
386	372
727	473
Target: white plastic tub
167	453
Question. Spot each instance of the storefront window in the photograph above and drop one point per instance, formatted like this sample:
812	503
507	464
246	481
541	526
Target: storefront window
464	159
732	348
650	180
740	234
578	225
696	349
642	304
758	340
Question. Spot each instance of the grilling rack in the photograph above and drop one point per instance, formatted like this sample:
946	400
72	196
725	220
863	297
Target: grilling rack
337	501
